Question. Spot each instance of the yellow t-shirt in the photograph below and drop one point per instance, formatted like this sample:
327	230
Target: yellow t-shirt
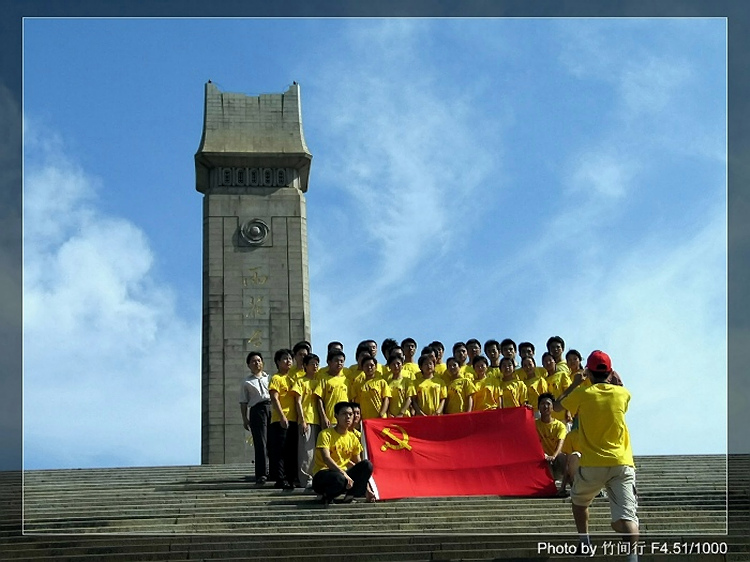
370	394
514	393
522	376
557	384
445	377
571	442
401	389
603	437
296	373
487	394
535	387
550	434
342	448
458	392
429	393
305	387
562	367
411	371
353	370
440	369
332	390
282	384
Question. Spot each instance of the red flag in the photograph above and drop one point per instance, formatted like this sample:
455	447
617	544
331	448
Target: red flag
494	452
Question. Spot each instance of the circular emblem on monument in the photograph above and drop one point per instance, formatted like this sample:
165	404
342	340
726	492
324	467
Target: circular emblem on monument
254	231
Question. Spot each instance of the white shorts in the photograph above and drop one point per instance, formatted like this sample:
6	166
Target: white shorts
619	482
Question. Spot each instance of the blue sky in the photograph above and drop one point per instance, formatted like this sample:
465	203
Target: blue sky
482	178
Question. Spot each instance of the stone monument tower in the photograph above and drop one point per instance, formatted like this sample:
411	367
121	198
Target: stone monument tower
252	167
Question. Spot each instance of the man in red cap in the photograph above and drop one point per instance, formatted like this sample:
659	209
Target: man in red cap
604	444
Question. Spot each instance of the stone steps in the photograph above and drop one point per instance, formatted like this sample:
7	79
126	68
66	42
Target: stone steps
212	513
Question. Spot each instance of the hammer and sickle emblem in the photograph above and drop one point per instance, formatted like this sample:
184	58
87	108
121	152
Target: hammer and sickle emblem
402	443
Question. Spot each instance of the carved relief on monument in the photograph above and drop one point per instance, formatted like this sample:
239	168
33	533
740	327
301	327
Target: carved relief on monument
255	341
255	276
254	232
253	177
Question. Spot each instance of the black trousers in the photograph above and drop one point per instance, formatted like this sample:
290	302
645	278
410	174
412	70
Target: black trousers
291	466
259	418
276	437
282	452
331	483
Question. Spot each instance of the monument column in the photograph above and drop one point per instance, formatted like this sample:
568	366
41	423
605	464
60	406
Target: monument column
252	167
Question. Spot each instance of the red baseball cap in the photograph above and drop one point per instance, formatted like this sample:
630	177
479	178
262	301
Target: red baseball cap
599	362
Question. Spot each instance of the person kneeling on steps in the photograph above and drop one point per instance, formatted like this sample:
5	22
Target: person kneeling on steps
336	448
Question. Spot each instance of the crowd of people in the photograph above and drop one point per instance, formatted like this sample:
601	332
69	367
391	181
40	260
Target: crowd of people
305	418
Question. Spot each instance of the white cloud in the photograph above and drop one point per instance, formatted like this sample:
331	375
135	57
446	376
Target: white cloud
108	362
410	152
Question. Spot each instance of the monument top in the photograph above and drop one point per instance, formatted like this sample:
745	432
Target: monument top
241	130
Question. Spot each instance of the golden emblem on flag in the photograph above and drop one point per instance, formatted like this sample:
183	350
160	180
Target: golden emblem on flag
397	443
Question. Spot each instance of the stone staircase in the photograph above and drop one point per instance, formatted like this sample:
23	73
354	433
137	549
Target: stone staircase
211	513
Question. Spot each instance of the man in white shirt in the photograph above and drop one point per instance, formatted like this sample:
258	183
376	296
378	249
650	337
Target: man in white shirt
255	399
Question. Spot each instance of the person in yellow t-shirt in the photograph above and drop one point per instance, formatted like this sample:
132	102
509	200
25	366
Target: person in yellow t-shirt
334	345
371	392
282	441
429	352
552	435
339	468
487	388
409	348
402	389
526	349
395	351
556	346
354	371
460	391
508	349
557	382
365	347
574	359
430	393
604	443
332	389
536	384
514	393
299	351
461	355
308	418
492	351
385	348
570	446
440	367
372	348
473	349
356	425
